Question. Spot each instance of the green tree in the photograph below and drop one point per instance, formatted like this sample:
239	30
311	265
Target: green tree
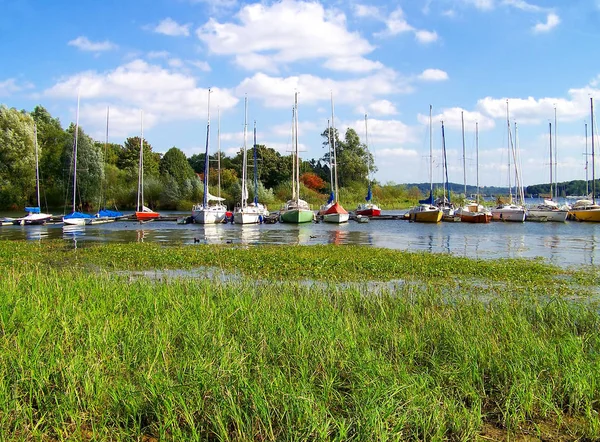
175	164
130	156
90	170
17	160
53	141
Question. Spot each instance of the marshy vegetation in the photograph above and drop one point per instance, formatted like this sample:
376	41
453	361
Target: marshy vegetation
462	350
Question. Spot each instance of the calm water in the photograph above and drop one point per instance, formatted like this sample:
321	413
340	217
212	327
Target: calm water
564	244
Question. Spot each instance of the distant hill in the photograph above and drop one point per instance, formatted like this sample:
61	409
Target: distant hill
459	188
566	188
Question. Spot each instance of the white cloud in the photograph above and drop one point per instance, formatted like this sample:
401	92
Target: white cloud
484	5
452	119
202	65
158	54
366	11
10	86
534	111
163	94
433	75
523	5
552	21
379	107
396	24
84	44
176	63
450	13
279	91
397	153
426	36
389	132
269	36
170	27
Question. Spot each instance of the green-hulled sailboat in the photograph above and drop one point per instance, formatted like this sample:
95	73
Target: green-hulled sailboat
296	210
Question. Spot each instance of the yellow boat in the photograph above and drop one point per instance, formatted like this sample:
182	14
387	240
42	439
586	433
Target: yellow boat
425	213
585	210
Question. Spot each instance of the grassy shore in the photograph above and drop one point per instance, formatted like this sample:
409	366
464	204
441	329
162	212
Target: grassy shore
462	350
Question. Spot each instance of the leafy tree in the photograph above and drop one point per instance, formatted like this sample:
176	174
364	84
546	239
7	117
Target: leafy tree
313	181
90	170
175	164
17	160
130	156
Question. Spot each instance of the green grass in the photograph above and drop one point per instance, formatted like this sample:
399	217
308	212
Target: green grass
86	354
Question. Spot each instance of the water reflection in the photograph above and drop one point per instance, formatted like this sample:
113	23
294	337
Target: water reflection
564	244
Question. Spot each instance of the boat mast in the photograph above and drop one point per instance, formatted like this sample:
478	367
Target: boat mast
293	155
587	186
255	157
516	160
297	153
331	184
555	155
219	152
593	161
445	170
430	157
244	155
551	182
102	196
334	154
462	119
477	156
75	155
37	169
206	164
508	146
140	202
369	195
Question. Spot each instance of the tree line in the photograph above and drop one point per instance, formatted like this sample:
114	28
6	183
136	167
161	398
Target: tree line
107	174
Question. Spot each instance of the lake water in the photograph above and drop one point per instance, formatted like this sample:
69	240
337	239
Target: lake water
563	244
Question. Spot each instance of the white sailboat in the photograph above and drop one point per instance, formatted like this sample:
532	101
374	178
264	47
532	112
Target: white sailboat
254	212
75	218
510	211
211	210
472	211
142	213
34	214
426	212
368	208
333	212
104	216
549	210
296	210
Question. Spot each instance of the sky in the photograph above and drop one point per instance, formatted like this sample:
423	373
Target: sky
389	60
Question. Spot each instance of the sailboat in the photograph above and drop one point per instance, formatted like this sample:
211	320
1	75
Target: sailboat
549	210
333	212
207	212
426	212
104	216
245	213
510	211
142	213
588	210
296	210
34	214
368	208
75	218
473	212
444	203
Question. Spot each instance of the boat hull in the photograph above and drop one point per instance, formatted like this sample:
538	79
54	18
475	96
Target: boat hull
336	218
590	215
75	221
426	217
557	216
476	218
296	216
368	212
512	215
146	216
247	217
209	216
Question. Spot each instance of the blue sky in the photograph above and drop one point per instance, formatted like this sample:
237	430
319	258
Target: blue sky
389	59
